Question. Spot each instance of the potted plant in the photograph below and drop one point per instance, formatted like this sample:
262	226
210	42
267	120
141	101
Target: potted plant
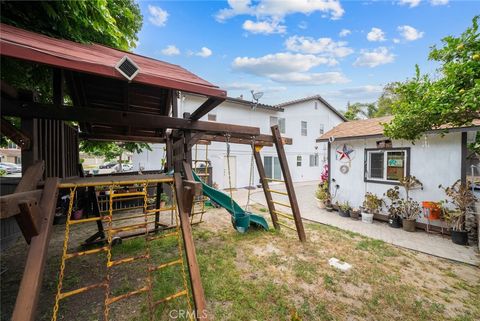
344	209
322	195
163	200
355	213
328	204
409	208
462	198
394	208
371	205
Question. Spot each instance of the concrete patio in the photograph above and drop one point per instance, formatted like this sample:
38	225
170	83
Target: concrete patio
432	244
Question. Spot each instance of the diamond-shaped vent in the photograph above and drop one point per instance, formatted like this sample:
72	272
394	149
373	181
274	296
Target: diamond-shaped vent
127	68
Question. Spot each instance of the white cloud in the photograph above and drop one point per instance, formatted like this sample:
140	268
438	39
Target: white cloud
170	50
410	3
358	92
280	63
310	79
375	57
264	27
204	52
396	40
410	33
158	16
344	32
376	34
303	25
310	45
290	68
279	9
438	2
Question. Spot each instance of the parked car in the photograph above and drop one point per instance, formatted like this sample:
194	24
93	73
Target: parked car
14	168
127	167
7	169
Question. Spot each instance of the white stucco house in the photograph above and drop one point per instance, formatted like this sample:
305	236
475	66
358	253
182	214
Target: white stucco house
363	160
303	120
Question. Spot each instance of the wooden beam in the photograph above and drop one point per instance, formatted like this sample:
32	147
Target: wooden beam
15	134
206	107
118	118
262	140
9	203
265	187
287	177
194	270
29	219
32	176
29	291
121	138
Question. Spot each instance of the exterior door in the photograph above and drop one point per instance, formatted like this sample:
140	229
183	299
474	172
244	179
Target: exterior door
233	171
272	167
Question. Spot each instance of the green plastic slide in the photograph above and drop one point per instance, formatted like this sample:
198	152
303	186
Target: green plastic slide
241	219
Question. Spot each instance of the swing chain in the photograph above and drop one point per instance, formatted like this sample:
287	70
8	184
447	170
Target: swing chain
251	175
227	140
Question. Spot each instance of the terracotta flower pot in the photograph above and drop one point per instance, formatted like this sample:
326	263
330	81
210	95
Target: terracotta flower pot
162	204
409	224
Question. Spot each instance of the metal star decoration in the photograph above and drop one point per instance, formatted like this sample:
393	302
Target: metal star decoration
345	152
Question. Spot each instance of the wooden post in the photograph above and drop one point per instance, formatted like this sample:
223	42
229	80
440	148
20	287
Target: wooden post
265	187
184	197
282	157
31	283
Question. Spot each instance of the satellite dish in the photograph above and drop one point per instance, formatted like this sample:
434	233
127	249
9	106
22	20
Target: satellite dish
257	95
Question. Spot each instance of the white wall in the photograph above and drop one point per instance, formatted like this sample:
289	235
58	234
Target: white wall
435	160
240	114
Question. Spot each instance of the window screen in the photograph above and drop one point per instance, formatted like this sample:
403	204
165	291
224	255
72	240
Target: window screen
376	165
322	130
299	161
281	125
212	117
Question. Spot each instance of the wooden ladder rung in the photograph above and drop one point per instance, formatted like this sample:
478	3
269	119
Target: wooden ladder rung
171	297
158	237
88	252
81	290
128	194
126	295
127	260
285	225
163	209
277	192
86	220
282	204
286	215
164	265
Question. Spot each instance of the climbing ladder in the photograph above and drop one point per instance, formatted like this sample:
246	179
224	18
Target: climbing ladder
292	205
198	206
111	232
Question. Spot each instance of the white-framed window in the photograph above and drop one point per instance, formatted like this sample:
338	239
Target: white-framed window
299	160
304	128
322	129
212	117
386	165
272	167
314	160
278	121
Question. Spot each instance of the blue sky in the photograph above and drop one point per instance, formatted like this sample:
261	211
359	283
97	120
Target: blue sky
295	48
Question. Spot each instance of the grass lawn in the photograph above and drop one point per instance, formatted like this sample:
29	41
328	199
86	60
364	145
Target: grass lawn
268	276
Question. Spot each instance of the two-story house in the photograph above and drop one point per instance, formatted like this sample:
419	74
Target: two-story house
303	120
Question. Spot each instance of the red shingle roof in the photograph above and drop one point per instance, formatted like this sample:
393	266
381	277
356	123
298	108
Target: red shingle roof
99	60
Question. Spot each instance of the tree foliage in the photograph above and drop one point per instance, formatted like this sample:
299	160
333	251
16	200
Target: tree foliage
453	97
382	107
114	23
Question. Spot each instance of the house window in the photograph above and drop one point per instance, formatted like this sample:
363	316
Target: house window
272	167
386	165
212	117
12	145
299	161
316	105
304	128
314	160
322	129
278	121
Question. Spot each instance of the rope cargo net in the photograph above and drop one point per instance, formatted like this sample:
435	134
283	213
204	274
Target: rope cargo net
149	260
